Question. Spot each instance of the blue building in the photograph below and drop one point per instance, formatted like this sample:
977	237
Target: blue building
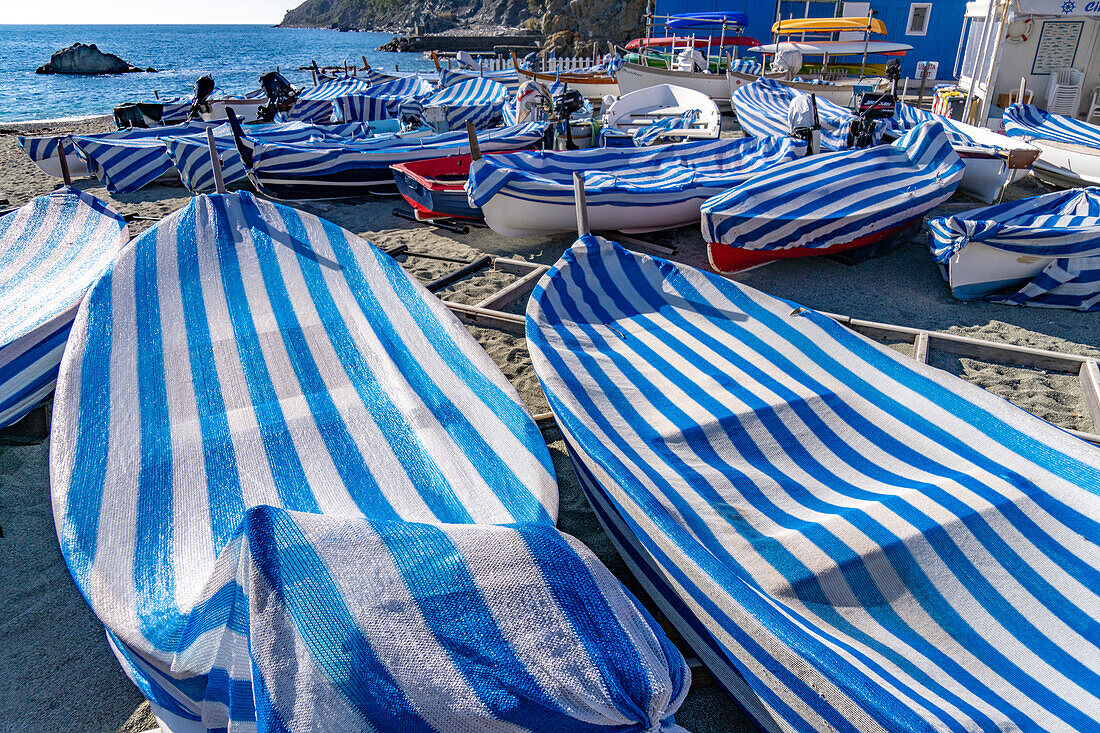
931	28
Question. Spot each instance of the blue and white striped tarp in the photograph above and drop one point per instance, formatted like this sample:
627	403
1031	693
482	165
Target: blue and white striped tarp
480	101
654	130
352	162
628	178
1064	225
191	155
835	199
748	67
849	539
276	461
380	102
43	151
906	117
1031	123
51	250
315	104
130	159
508	77
763	105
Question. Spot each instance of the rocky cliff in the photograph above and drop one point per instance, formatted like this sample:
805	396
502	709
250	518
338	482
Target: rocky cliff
571	26
426	16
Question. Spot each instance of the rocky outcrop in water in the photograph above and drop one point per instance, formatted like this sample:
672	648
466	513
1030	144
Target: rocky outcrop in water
81	58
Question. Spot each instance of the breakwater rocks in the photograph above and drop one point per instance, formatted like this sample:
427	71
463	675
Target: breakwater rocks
81	58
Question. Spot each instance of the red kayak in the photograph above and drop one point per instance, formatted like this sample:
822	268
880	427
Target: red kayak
683	42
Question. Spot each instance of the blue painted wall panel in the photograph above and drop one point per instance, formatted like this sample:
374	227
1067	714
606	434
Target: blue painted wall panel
940	44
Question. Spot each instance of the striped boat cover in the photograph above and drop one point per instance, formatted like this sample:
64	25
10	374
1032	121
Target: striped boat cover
299	533
508	77
191	156
628	178
45	148
370	76
1031	123
380	102
837	198
315	160
1064	225
749	67
906	117
51	250
315	104
131	159
480	101
652	131
851	540
762	108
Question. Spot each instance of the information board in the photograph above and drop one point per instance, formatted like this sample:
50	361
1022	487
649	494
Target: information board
1057	45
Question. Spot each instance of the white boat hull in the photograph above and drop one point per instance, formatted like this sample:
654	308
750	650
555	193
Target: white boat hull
978	270
720	87
985	176
516	217
636	110
1067	164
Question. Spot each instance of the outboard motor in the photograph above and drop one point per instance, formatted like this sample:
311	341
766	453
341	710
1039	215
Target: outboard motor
281	96
467	62
804	123
691	59
204	87
533	102
893	73
531	61
566	105
872	108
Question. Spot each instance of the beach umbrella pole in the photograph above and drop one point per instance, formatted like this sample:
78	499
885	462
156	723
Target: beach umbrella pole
215	161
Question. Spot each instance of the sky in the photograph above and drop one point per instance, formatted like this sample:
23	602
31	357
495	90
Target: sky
144	11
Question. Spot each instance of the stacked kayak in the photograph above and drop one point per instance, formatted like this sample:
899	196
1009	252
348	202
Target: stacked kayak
627	189
992	161
300	496
1069	148
1041	251
349	170
849	539
51	250
831	202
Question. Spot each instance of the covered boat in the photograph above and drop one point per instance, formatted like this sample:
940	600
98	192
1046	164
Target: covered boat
763	109
831	202
51	250
349	170
300	496
849	539
627	189
1069	149
640	111
381	101
316	103
992	161
128	160
43	151
461	100
190	154
1042	251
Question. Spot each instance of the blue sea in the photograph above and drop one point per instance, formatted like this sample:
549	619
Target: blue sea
235	55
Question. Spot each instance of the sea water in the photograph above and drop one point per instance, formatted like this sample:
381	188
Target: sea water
234	55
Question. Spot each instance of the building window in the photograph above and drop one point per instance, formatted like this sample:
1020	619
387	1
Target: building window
918	19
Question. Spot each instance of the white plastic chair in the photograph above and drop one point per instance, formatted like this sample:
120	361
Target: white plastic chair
1094	104
1064	92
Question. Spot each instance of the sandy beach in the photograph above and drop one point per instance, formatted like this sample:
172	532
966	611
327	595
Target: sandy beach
57	671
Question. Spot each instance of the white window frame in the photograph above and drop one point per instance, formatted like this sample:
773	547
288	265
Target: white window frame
927	17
